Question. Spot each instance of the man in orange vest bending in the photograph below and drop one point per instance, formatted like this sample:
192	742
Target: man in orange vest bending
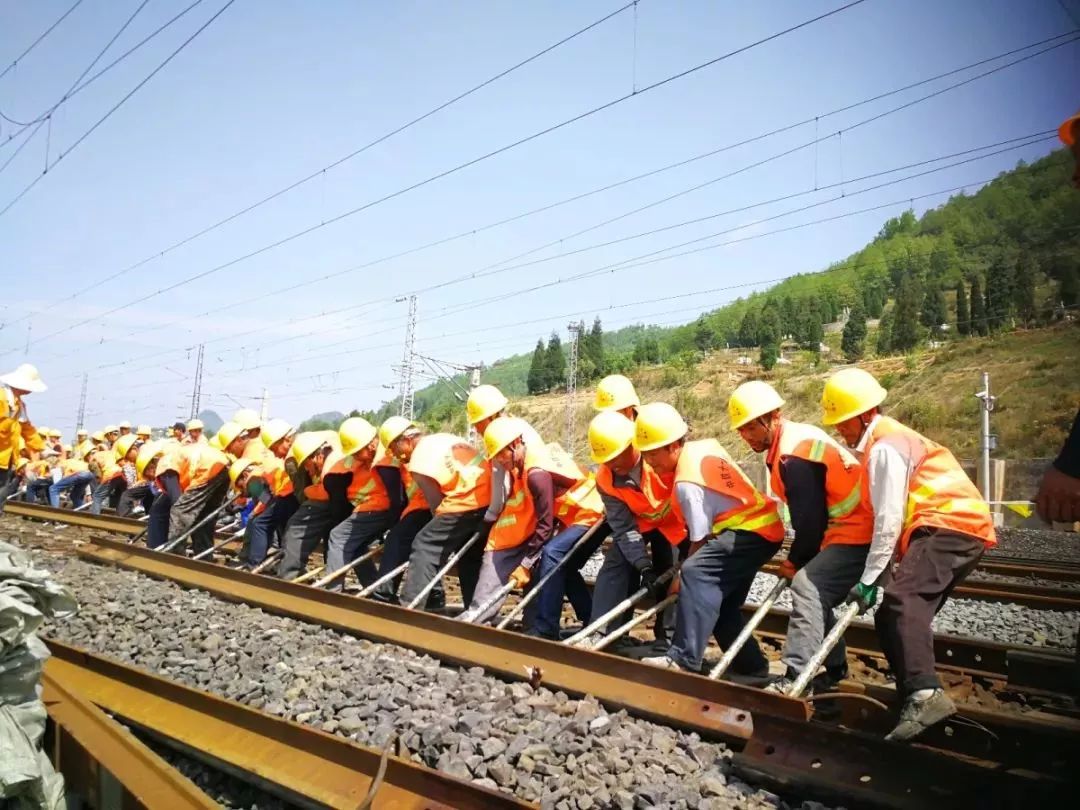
733	531
822	485
930	517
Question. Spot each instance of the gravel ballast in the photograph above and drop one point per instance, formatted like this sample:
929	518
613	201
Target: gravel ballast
540	745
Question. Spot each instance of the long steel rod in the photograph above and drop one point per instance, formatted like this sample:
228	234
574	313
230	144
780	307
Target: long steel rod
847	614
340	572
637	619
421	597
271	558
748	629
625	604
212	516
370	589
474	617
535	590
202	555
310	575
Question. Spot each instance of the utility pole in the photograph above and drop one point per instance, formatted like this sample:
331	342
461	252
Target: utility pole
29	331
408	361
264	413
576	330
987	441
82	405
196	392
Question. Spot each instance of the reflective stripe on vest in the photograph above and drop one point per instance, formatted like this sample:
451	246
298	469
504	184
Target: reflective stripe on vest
650	504
517	520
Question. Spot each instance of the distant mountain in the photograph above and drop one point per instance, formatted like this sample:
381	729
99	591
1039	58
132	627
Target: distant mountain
211	421
323	421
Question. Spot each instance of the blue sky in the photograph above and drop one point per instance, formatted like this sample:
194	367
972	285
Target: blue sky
274	91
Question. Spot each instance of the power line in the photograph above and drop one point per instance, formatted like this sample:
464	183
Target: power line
459	167
114	108
37	41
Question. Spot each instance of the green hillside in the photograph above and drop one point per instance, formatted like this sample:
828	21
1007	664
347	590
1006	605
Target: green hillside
1004	258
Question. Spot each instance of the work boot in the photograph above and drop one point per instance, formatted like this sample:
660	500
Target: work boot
759	679
662	662
919	713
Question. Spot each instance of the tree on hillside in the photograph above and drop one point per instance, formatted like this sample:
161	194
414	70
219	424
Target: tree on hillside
554	363
905	329
963	314
704	339
592	352
789	315
853	341
873	298
770	338
537	379
749	329
978	309
935	311
1069	288
646	351
884	335
999	294
1027	271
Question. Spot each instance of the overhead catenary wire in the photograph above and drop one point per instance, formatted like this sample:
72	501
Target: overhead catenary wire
38	41
454	169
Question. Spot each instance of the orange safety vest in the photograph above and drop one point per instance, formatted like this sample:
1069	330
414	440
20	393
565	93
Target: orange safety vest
851	515
940	494
517	520
581	504
460	470
708	464
14	433
70	466
366	491
106	465
651	504
195	464
414	496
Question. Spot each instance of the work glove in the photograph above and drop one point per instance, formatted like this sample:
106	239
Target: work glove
520	576
865	596
787	570
648	577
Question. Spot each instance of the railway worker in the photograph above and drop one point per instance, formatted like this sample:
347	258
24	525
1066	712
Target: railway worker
144	433
18	481
251	424
176	433
233	439
277	436
456	482
616	393
73	477
146	461
313	452
644	525
929	517
399	436
822	485
196	478
195	432
124	428
733	529
55	439
17	433
82	436
110	478
97	438
268	485
374	492
112	433
138	490
39	476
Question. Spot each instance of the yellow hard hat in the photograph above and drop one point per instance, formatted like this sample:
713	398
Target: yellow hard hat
143	430
124	424
228	433
22	462
392	428
110	429
609	434
849	392
147	453
195	424
356	433
615	392
751	400
309	443
658	425
43	431
484	401
66	448
215	441
82	432
84	449
1067	130
274	431
54	433
24	378
123	444
236	469
247	419
98	436
500	433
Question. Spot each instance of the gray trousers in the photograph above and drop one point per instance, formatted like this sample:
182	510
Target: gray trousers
194	505
352	538
619	579
495	570
819	586
309	525
433	546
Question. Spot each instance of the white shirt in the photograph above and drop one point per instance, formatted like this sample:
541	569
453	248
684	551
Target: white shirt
888	474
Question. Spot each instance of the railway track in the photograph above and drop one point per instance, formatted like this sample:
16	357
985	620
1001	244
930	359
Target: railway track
1003	755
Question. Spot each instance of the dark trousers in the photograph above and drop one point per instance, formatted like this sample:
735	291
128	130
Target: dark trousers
140	493
618	579
9	485
309	525
714	585
157	525
37	491
108	492
935	562
265	527
567	581
351	539
397	548
435	543
194	506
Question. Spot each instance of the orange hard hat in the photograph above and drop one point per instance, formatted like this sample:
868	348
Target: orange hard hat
1067	131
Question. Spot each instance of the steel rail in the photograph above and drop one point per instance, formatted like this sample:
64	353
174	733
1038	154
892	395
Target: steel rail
713	708
302	764
96	754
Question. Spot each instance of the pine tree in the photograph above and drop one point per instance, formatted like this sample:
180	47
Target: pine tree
999	294
905	329
703	335
1027	271
815	326
537	380
1069	289
748	330
592	349
554	363
935	311
853	341
978	309
963	313
770	337
884	335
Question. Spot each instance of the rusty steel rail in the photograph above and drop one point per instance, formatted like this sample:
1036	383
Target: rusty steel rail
103	762
735	713
297	762
107	523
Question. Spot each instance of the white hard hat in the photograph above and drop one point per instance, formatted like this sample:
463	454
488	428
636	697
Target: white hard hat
24	378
